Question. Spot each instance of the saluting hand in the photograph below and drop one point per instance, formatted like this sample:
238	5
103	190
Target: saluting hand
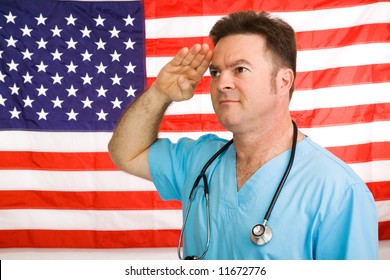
178	78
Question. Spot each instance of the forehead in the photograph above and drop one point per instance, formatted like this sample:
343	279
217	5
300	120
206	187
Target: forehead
240	46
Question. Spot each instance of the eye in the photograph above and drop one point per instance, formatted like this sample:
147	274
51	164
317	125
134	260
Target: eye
241	69
214	73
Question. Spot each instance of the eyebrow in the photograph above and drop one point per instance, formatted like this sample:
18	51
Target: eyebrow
233	64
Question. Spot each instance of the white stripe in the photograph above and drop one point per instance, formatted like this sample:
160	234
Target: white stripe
383	210
331	136
199	26
373	171
354	55
313	60
90	219
72	181
108	220
353	134
341	96
54	141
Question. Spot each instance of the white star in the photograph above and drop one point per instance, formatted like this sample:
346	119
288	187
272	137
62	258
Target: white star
41	91
27	54
129	44
129	20
15	113
14	89
102	115
130	68
101	91
72	115
86	55
42	44
116	80
28	102
114	32
72	91
41	19
56	55
101	68
57	79
71	67
70	20
13	65
2	100
11	42
42	115
115	56
26	31
57	102
56	31
10	18
87	103
1	52
116	103
86	32
42	67
99	21
28	78
2	76
131	91
100	44
71	44
87	79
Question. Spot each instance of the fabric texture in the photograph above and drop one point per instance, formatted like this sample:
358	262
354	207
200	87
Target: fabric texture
324	211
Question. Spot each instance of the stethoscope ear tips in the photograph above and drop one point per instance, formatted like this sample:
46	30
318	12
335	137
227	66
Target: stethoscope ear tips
261	234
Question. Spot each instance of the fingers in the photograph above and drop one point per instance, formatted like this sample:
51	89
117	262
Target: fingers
197	56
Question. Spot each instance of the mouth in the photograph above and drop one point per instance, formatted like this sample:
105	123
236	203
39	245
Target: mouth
227	101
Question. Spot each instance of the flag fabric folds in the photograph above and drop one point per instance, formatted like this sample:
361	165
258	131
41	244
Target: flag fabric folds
68	69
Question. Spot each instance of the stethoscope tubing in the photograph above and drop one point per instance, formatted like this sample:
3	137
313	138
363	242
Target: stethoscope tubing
203	176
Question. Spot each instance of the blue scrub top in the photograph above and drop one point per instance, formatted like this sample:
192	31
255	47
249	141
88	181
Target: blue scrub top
324	211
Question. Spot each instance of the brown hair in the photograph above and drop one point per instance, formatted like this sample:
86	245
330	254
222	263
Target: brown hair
279	35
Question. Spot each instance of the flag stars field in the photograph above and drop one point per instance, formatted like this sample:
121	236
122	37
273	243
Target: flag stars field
68	56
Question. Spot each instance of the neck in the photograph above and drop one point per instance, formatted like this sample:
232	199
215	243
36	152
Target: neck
257	148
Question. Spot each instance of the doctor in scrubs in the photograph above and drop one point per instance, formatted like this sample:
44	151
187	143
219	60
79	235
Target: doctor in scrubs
321	210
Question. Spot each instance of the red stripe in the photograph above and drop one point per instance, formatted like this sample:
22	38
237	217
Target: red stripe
56	161
380	190
363	152
305	119
38	160
342	115
384	230
88	239
371	33
167	8
131	200
343	76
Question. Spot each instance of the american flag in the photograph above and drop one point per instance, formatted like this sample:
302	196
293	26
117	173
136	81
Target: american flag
68	69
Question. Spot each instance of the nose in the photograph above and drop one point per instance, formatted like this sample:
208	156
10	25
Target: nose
224	82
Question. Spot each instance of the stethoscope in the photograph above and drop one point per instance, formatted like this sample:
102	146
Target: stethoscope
260	233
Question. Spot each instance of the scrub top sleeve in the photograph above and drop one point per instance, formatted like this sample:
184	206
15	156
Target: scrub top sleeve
167	163
350	230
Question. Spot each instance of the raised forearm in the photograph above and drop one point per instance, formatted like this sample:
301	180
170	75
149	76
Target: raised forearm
137	130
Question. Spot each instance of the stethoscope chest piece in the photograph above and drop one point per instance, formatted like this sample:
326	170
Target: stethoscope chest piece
261	234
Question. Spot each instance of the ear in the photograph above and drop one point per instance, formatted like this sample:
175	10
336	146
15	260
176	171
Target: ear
285	79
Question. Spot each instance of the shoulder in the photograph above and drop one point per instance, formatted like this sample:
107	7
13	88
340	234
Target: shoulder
327	163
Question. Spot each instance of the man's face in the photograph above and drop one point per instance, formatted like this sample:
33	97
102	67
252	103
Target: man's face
243	89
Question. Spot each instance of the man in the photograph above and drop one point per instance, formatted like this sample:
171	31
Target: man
323	211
